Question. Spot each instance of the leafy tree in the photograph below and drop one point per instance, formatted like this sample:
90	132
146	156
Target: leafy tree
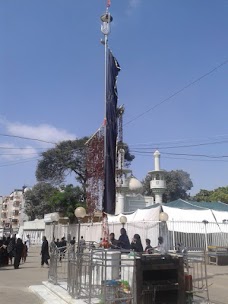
178	182
67	200
219	194
128	157
203	196
36	200
66	158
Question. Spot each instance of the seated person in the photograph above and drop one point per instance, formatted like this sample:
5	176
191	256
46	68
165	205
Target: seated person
160	248
123	239
149	248
113	241
136	243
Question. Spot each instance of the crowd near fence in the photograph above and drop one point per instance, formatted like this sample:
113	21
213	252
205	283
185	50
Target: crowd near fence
192	235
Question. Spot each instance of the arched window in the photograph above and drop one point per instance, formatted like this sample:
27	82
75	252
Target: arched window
157	177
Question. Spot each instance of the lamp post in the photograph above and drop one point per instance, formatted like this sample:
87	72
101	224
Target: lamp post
163	218
10	220
123	220
54	220
205	222
80	213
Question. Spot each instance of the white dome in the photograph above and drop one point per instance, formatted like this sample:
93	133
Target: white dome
26	189
135	185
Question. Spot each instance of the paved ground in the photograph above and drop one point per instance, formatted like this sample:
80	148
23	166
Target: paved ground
14	283
218	283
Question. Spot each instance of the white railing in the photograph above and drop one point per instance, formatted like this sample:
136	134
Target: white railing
193	235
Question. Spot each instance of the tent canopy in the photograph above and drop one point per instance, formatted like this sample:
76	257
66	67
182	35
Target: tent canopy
147	214
183	204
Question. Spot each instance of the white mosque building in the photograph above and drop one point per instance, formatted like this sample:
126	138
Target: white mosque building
128	188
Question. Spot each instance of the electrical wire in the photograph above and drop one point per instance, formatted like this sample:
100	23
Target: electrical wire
18	162
28	138
7	154
183	146
184	158
184	154
178	92
20	148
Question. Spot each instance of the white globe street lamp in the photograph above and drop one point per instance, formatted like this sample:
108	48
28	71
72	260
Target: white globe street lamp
163	217
123	220
80	213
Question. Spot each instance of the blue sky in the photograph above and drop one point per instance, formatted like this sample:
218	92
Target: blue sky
52	82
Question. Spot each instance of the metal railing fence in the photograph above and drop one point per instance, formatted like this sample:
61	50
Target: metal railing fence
58	268
196	281
103	274
190	234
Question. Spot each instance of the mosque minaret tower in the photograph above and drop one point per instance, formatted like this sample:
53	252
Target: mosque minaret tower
158	183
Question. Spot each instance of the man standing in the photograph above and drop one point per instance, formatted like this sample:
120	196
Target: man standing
44	252
27	241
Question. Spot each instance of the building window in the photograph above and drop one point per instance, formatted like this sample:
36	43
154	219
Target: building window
157	177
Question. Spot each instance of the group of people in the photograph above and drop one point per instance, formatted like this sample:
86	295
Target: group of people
122	243
60	244
13	250
136	243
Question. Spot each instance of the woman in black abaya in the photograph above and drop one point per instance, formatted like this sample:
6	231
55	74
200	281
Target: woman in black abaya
44	252
18	253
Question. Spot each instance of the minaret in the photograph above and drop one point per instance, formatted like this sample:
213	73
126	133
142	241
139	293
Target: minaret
158	183
122	174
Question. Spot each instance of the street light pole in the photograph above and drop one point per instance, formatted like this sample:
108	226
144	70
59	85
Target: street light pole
123	220
54	220
80	213
163	218
10	220
205	227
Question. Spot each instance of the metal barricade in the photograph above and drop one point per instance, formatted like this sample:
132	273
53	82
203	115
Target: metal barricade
102	274
58	269
196	270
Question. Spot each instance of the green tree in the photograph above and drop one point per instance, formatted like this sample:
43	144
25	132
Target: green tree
66	158
37	200
67	200
178	182
128	157
218	194
203	196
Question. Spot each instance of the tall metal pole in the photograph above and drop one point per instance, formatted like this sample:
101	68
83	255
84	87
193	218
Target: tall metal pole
106	19
79	232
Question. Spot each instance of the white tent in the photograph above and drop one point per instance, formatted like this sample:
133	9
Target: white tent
191	220
150	214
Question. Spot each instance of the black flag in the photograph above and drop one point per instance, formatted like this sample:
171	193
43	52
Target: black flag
109	198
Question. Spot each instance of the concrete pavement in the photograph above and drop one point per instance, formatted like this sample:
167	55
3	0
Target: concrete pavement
218	283
14	283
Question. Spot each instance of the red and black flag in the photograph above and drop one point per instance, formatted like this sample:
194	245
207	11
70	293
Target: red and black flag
109	197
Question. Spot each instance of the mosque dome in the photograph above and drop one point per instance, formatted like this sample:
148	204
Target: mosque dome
135	185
